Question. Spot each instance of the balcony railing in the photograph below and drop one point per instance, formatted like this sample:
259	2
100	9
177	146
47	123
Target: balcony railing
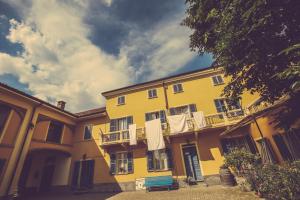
213	120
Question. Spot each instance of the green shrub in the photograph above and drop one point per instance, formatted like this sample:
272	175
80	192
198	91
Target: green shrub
240	160
276	182
272	181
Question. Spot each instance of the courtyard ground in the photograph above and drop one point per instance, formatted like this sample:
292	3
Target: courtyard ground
195	193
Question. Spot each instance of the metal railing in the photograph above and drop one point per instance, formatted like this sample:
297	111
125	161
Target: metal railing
212	120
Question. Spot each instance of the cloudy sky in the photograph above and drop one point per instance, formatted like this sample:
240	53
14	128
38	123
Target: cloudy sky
73	50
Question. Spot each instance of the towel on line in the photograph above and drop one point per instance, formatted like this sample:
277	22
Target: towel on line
199	119
132	134
178	123
155	139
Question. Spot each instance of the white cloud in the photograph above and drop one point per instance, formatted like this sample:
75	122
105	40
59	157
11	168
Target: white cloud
69	67
166	48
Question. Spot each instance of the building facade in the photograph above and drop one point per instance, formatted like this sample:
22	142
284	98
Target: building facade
44	148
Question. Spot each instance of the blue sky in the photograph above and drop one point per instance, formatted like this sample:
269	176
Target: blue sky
73	50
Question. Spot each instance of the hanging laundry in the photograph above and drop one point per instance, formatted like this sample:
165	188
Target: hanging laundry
155	139
178	123
199	119
132	134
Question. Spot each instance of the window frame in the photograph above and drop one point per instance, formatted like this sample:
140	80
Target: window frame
91	131
218	82
165	161
118	100
176	86
226	105
129	120
190	108
124	158
162	120
61	132
151	93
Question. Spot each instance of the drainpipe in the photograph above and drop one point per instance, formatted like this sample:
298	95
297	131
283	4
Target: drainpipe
259	130
29	126
165	87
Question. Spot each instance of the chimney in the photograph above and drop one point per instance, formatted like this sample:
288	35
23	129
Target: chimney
61	105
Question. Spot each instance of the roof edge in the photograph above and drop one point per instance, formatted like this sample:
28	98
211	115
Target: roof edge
109	93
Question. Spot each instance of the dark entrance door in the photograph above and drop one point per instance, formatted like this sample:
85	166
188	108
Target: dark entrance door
191	162
46	179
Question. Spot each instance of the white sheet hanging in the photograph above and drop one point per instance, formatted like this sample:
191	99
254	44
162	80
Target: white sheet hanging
155	139
132	134
178	123
199	119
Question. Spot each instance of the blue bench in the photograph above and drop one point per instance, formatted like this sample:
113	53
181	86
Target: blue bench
158	181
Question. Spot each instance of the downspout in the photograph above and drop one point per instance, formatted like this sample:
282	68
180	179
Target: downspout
259	130
29	126
165	87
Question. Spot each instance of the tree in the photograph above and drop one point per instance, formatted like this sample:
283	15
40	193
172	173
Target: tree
256	41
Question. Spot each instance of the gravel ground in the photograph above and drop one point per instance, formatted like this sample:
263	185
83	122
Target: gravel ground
195	193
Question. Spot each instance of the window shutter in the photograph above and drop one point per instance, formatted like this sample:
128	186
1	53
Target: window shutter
162	116
113	125
150	161
180	87
149	94
91	166
214	78
193	108
154	93
129	121
147	115
113	163
172	111
169	158
75	173
174	88
130	162
218	105
220	79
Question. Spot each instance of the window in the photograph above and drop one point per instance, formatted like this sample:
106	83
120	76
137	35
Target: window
282	147
288	144
121	163
217	80
159	160
246	142
156	115
121	100
4	112
177	88
266	151
120	123
54	132
224	105
152	93
2	163
187	109
83	174
88	132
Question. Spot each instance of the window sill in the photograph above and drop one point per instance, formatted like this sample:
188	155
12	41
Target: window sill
219	84
160	170
178	92
152	97
122	174
121	104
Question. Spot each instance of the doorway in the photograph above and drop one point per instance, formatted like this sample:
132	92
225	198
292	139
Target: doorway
191	162
46	179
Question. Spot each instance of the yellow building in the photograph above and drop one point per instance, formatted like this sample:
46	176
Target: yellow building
44	148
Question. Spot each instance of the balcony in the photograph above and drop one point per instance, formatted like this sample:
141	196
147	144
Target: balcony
212	121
